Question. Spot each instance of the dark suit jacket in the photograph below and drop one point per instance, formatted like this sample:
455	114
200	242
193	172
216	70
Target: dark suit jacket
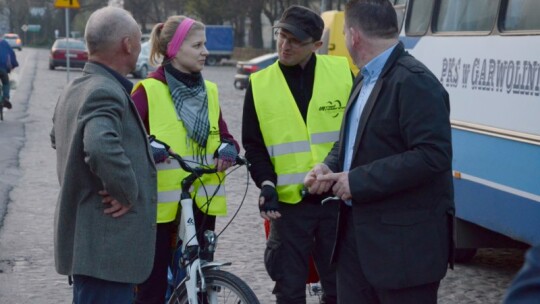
525	288
400	176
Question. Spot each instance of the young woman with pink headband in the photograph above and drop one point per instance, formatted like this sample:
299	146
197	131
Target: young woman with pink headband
180	108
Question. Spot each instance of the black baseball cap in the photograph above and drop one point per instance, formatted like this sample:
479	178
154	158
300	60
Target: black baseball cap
301	22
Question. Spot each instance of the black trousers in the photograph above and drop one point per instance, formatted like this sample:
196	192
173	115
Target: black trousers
352	285
304	229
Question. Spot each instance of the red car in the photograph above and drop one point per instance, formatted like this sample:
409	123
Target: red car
78	54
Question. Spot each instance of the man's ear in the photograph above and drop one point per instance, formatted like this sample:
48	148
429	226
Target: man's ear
317	45
355	36
127	45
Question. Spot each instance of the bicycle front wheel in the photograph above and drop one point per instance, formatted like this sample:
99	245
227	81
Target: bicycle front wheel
222	287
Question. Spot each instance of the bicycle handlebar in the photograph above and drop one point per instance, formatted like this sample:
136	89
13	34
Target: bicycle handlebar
197	172
240	160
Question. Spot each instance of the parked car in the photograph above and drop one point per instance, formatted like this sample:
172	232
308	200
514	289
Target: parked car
145	37
245	68
13	40
78	54
143	62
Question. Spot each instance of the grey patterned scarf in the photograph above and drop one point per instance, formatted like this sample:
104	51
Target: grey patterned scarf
191	104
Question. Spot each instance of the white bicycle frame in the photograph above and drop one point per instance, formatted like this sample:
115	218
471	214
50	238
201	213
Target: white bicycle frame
188	235
190	247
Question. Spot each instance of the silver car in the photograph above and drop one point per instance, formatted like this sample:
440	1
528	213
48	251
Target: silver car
143	63
13	40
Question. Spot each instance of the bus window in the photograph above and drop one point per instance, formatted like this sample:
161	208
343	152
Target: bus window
418	18
466	15
521	15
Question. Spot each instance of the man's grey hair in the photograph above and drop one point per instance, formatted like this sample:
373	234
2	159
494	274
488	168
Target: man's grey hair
106	27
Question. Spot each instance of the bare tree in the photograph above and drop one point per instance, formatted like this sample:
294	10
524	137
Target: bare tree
140	10
255	30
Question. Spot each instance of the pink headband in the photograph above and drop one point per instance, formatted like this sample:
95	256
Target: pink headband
179	36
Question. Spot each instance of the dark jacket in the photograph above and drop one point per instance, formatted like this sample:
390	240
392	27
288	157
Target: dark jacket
400	177
525	288
8	60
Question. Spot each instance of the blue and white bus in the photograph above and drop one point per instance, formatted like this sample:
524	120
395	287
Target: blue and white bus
487	55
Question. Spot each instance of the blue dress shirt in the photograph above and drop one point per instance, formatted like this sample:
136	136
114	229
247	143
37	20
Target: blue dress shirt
370	72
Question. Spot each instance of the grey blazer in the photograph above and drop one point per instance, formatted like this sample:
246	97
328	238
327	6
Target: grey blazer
101	144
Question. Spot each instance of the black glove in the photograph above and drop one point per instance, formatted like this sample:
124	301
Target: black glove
160	150
270	199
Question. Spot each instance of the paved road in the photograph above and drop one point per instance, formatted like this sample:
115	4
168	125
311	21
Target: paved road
28	187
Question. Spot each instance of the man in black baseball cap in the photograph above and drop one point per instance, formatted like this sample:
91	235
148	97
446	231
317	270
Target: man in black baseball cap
292	110
302	22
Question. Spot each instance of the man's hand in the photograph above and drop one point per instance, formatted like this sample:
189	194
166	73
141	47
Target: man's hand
313	182
116	208
341	187
268	203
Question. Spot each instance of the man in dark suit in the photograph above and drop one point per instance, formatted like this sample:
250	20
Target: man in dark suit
105	230
525	289
392	169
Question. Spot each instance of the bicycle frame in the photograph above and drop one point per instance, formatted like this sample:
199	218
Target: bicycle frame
190	249
187	233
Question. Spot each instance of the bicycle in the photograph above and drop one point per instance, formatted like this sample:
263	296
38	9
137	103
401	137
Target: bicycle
196	281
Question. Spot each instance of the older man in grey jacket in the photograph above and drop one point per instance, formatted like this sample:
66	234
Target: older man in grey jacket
106	211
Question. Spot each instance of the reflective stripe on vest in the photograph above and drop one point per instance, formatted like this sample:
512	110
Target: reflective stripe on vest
165	125
296	146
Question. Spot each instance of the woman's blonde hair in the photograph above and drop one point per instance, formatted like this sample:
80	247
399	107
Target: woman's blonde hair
162	34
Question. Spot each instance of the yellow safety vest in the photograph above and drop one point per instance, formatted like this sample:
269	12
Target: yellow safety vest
296	146
167	127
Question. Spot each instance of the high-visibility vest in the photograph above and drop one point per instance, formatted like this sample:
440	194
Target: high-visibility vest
167	127
296	146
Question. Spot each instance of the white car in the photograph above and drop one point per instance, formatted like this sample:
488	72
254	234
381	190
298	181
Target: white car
13	40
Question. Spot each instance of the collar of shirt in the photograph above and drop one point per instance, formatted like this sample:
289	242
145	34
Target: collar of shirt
373	69
370	72
128	85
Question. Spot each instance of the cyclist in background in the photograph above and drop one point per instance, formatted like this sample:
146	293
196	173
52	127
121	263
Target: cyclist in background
181	109
8	61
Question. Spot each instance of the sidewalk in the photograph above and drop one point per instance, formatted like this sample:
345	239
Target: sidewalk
27	272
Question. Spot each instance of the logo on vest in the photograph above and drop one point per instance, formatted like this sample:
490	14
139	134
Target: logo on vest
333	108
190	222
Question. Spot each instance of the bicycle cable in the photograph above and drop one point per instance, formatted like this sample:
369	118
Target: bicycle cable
241	202
209	199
